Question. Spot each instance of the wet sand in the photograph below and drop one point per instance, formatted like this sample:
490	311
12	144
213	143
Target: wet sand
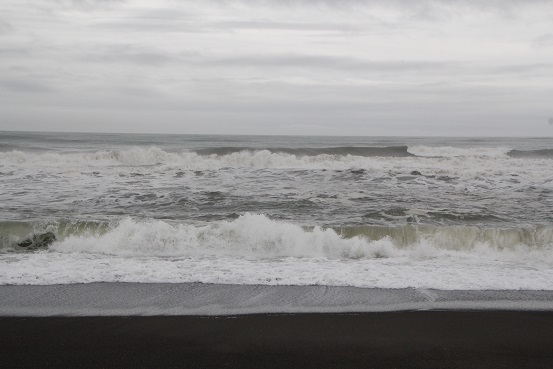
407	339
155	299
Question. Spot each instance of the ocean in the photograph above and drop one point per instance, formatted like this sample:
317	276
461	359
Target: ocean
371	212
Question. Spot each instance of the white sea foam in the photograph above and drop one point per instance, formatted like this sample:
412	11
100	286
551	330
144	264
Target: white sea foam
255	235
185	160
251	235
130	157
256	250
247	158
431	161
429	216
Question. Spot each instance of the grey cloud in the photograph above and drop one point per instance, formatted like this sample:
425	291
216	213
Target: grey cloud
128	54
430	9
169	18
14	52
139	92
23	86
5	27
155	20
196	25
240	103
356	65
85	4
292	26
334	3
149	26
327	62
301	61
523	69
238	96
20	69
543	41
153	57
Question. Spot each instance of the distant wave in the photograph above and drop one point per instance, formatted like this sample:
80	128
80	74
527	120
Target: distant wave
449	151
544	153
235	157
385	151
4	147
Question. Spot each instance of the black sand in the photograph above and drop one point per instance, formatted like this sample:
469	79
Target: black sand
417	339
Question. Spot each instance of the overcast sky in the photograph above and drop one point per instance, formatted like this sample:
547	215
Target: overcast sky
319	67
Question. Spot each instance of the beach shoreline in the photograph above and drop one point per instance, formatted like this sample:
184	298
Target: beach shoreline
195	325
153	299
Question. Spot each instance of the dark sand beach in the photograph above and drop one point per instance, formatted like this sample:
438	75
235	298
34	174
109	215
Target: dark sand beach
415	339
133	325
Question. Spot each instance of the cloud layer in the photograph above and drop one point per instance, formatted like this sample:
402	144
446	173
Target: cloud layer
355	67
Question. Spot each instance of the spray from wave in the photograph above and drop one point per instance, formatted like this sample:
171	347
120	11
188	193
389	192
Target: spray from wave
384	151
256	236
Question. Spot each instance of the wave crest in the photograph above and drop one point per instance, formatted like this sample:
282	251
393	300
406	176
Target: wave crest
251	235
256	236
217	158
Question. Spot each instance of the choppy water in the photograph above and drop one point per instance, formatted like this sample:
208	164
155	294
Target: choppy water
474	213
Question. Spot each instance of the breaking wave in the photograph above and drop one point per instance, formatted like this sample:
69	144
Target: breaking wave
256	236
385	151
215	158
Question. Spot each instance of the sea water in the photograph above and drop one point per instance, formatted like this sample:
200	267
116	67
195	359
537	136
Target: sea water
386	212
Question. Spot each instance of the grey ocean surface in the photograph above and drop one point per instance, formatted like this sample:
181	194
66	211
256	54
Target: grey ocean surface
195	224
327	181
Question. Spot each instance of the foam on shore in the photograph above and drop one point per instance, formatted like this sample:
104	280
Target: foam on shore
123	299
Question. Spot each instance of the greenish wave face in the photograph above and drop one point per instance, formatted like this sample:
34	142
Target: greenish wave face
13	235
